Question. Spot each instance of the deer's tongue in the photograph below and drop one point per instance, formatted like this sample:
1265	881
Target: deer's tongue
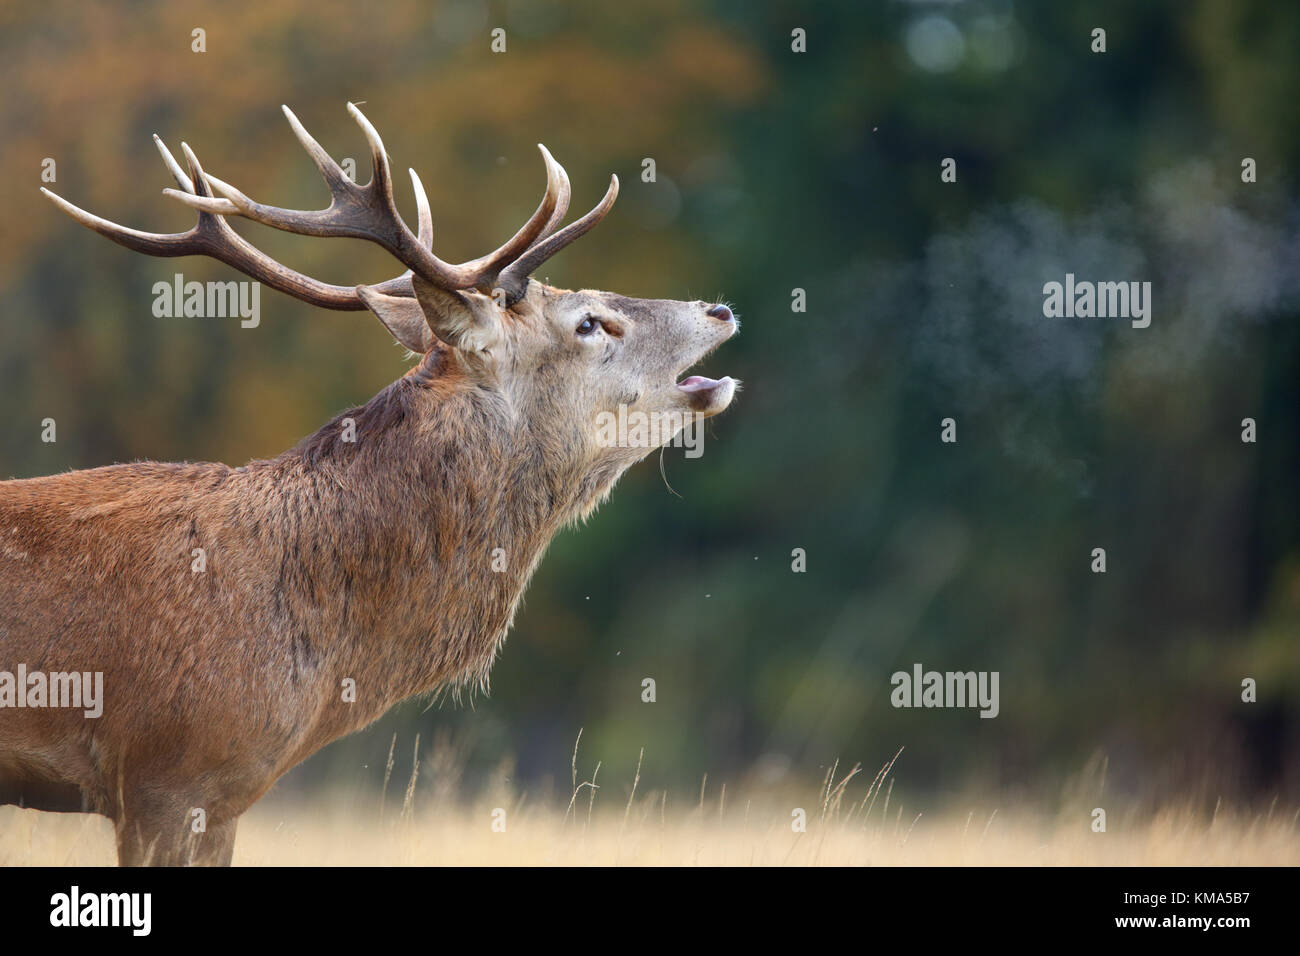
698	383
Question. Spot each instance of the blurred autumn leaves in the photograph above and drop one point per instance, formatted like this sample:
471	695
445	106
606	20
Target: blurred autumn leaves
86	86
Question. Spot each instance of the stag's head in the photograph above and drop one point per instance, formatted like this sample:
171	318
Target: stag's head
553	355
603	356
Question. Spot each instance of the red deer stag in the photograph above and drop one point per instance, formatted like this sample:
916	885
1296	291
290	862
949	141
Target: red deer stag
356	570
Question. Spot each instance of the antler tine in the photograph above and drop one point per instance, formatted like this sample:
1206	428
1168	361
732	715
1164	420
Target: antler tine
565	193
425	234
549	213
330	171
514	279
178	174
150	243
381	176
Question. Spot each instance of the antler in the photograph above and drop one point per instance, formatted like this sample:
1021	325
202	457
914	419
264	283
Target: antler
212	236
360	212
514	278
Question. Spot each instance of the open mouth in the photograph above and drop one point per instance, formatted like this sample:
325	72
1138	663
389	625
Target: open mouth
711	395
698	383
707	394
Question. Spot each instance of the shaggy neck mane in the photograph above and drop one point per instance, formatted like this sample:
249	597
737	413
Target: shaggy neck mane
384	413
421	533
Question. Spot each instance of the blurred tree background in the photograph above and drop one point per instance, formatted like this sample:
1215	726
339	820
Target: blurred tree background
776	170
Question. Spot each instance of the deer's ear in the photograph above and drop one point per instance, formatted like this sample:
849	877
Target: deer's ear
469	321
401	316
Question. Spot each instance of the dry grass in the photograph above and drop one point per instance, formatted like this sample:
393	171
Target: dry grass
846	826
334	835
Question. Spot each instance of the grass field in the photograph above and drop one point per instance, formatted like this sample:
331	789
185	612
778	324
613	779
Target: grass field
845	825
331	835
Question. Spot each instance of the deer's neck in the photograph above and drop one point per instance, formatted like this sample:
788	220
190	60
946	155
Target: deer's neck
407	530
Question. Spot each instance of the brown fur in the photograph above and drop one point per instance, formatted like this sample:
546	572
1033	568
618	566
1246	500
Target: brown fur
370	560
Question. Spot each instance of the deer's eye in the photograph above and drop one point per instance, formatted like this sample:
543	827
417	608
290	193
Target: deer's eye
587	326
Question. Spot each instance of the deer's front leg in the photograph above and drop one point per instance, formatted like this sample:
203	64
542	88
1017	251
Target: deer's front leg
172	835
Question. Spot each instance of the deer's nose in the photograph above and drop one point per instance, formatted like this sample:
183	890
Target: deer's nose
721	313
